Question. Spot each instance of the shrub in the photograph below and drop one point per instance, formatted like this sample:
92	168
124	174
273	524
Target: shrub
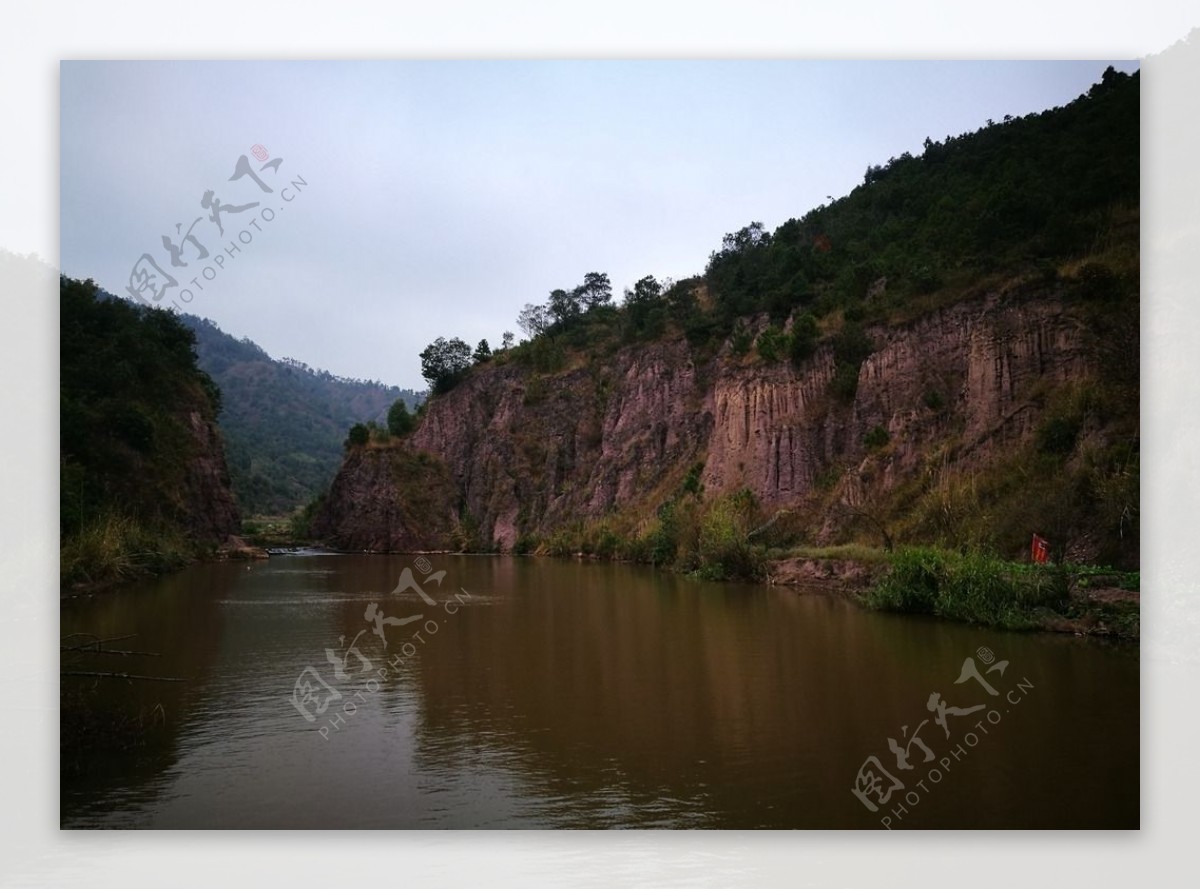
526	543
851	347
969	587
1097	282
1057	435
770	344
399	421
115	548
564	542
913	582
721	549
740	340
300	525
876	438
844	384
803	343
661	542
602	541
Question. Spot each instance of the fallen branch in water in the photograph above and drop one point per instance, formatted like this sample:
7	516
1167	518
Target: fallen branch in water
94	643
116	676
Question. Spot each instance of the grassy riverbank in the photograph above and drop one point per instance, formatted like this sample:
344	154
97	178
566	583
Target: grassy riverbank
983	589
113	548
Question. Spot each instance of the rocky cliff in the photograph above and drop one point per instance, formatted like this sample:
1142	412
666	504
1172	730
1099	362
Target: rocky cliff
390	499
207	507
941	401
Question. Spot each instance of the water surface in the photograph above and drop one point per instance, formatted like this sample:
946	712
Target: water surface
555	693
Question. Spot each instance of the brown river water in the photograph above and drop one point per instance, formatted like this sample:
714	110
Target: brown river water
536	693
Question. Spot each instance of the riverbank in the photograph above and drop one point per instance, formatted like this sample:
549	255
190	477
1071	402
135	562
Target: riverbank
116	550
967	588
972	588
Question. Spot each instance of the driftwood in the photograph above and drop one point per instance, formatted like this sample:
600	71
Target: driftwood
93	642
115	676
110	651
95	646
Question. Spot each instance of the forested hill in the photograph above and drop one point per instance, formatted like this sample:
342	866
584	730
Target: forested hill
284	422
143	483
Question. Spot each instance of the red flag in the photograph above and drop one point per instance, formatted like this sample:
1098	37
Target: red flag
1040	549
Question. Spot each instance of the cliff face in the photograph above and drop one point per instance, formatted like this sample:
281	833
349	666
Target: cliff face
528	453
965	385
207	508
958	372
389	500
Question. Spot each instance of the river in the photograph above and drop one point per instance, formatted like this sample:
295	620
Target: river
555	693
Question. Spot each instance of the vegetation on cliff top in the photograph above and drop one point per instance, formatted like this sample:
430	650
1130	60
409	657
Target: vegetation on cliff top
1016	197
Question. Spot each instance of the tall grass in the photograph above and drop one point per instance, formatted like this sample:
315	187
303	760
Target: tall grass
115	548
721	549
863	553
707	539
970	587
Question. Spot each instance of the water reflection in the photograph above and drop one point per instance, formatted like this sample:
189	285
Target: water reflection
586	695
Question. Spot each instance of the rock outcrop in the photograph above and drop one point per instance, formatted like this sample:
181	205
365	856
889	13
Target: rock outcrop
207	508
388	499
526	453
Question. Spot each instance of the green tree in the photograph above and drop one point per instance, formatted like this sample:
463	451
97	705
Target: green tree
360	434
563	306
399	421
483	352
444	362
770	343
681	300
533	320
804	338
596	290
851	347
741	339
645	307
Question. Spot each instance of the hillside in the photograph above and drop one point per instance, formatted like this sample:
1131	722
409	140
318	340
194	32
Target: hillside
947	355
284	422
143	481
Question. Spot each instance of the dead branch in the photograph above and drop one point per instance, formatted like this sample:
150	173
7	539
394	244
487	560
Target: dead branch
115	676
94	643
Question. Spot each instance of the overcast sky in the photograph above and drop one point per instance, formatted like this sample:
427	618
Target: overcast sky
440	197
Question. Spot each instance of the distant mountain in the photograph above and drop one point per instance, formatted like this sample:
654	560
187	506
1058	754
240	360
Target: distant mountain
284	422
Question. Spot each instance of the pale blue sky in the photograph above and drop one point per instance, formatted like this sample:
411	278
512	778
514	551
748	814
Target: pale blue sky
442	196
